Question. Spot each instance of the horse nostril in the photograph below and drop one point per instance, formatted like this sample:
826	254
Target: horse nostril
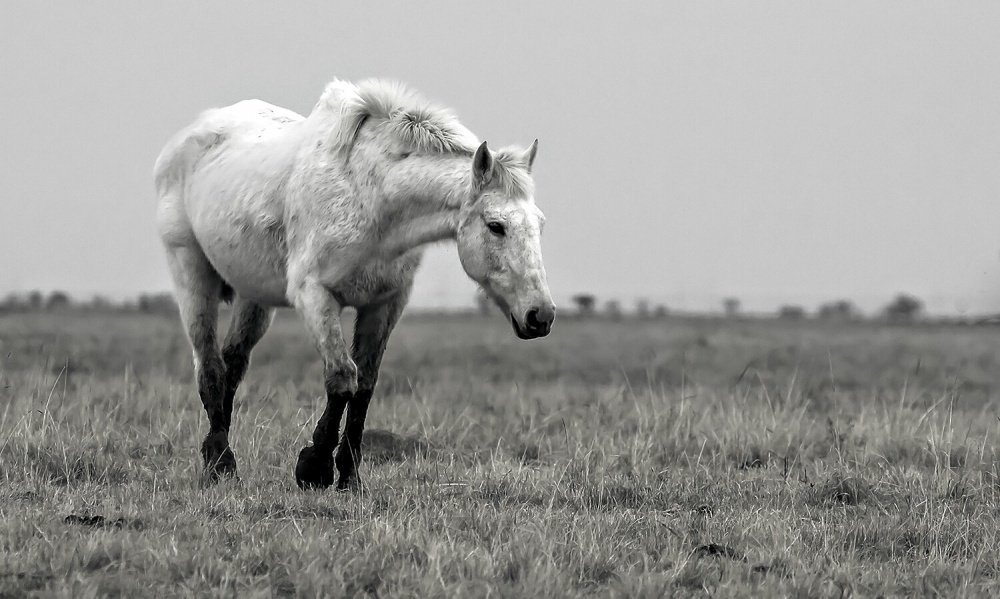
539	319
531	319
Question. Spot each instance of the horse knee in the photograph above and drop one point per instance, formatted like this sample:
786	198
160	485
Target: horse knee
341	378
211	373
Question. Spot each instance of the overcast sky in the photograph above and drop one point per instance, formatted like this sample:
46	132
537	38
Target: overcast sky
773	151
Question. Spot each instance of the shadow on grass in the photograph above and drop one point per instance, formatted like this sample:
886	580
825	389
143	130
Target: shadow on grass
844	490
381	446
102	522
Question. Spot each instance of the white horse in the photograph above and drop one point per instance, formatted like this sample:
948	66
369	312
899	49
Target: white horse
265	208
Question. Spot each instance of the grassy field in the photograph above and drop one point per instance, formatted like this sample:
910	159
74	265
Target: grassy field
676	457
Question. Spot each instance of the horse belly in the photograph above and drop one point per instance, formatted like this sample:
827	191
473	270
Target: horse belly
245	242
251	261
254	275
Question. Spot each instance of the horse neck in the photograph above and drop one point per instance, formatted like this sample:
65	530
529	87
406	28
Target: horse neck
423	202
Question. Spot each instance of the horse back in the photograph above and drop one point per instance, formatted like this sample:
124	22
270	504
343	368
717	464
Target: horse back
246	123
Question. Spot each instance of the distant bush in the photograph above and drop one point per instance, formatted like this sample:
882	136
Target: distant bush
613	309
157	303
585	304
58	300
36	300
904	308
13	303
791	313
642	309
102	304
839	310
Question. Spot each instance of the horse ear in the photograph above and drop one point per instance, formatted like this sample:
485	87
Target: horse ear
529	154
482	163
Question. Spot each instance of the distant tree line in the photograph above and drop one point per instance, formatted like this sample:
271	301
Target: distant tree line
586	306
56	301
904	308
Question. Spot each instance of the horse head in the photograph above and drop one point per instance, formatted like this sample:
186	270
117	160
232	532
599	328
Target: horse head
499	238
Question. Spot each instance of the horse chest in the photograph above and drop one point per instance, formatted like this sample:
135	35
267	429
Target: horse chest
377	281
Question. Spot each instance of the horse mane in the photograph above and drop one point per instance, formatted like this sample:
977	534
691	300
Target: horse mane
418	124
412	120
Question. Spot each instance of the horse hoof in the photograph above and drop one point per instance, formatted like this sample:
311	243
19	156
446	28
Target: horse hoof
349	484
211	477
220	461
313	471
225	465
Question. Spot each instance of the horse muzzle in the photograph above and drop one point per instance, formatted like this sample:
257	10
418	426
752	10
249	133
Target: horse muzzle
537	322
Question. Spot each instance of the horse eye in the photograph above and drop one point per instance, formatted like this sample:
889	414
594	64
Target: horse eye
496	228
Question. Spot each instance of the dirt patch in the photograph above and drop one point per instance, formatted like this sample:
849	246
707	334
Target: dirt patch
380	446
714	549
102	522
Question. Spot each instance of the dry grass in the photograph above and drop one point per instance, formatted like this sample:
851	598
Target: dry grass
680	457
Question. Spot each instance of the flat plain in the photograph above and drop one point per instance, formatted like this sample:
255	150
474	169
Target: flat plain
669	457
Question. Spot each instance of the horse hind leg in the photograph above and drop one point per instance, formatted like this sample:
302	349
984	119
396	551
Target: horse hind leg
198	289
249	323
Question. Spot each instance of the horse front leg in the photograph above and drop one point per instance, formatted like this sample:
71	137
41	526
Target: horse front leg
321	313
371	333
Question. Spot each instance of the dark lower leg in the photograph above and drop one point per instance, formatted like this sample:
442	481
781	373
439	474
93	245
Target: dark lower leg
236	367
321	313
249	323
349	454
371	332
218	457
314	468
